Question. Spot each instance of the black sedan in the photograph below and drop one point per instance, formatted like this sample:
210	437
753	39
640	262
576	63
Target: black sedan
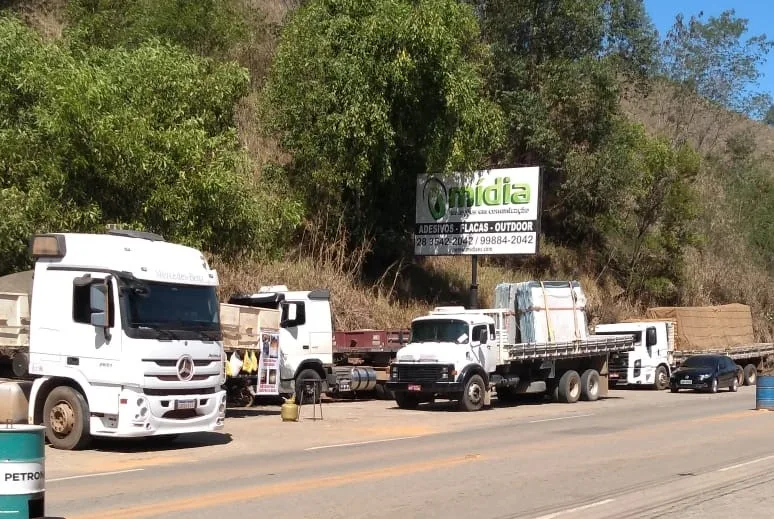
705	372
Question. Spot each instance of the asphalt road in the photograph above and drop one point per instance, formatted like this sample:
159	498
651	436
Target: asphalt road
641	454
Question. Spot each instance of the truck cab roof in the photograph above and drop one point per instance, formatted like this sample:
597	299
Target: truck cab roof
143	255
458	313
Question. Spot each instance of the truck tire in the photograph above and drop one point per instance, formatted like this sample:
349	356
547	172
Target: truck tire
406	400
307	374
66	419
20	364
590	385
661	381
569	387
382	393
473	395
750	375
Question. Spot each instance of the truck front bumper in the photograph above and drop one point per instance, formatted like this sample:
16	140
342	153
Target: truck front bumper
141	415
426	387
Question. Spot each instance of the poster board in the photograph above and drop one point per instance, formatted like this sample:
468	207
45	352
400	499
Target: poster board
269	363
485	212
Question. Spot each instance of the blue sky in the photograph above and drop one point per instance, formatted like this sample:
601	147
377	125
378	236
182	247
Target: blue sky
760	15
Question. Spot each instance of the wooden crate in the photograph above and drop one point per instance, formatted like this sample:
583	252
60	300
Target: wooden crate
14	319
242	325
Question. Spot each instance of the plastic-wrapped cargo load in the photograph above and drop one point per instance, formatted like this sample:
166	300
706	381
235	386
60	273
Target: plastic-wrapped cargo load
544	311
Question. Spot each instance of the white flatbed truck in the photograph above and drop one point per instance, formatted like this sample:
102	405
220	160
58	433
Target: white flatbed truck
461	354
124	340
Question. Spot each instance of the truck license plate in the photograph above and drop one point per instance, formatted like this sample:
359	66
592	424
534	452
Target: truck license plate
344	386
414	387
185	404
685	382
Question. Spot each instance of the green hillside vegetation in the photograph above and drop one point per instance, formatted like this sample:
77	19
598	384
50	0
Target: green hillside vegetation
284	137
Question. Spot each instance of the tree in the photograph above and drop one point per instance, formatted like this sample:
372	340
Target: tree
769	117
143	137
710	63
368	94
558	68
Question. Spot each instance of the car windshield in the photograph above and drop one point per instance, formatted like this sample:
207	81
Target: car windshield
168	307
700	362
439	330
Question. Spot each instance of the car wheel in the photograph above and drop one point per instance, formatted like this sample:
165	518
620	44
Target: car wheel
734	385
714	386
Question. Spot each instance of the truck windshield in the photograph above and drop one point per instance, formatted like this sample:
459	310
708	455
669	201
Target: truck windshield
167	310
439	330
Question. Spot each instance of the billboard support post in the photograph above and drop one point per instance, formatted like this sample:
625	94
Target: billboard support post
474	282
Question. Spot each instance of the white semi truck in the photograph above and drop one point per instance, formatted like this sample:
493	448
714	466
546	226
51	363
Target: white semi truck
461	354
342	362
657	352
124	339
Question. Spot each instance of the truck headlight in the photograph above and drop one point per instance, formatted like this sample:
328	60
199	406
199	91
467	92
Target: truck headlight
394	372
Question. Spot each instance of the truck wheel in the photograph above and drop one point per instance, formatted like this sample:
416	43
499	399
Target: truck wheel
382	393
406	400
750	375
569	387
590	385
20	364
66	418
308	393
473	395
662	379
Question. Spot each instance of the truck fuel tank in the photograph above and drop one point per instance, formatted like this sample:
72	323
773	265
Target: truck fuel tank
14	400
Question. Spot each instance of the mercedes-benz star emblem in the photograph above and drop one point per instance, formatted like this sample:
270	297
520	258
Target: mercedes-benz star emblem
185	368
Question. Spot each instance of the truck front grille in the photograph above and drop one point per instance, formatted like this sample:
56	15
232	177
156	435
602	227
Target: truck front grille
419	372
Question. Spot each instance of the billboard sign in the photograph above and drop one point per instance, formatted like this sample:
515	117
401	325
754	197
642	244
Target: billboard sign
493	211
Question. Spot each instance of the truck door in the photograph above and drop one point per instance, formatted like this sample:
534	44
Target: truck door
480	346
95	336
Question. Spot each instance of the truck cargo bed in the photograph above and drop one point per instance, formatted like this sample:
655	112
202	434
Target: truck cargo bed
743	351
593	345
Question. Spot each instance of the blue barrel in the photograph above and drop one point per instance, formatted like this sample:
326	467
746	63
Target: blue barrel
22	471
764	392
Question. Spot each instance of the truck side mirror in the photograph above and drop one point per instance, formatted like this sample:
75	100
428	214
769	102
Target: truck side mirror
292	315
99	306
650	337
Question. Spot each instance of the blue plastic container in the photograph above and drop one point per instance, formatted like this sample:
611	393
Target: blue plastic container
764	392
22	471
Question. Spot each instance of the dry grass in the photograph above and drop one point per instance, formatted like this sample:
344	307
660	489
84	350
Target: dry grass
679	115
45	16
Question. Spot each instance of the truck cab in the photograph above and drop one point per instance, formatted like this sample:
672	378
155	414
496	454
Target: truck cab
124	338
306	335
650	362
451	353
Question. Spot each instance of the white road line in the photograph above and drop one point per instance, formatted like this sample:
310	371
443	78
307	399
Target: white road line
359	443
98	474
562	418
576	509
745	463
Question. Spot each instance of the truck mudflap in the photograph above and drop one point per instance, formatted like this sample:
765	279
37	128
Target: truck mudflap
426	387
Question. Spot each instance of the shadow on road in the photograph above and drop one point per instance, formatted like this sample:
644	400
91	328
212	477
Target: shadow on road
520	401
246	412
160	444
